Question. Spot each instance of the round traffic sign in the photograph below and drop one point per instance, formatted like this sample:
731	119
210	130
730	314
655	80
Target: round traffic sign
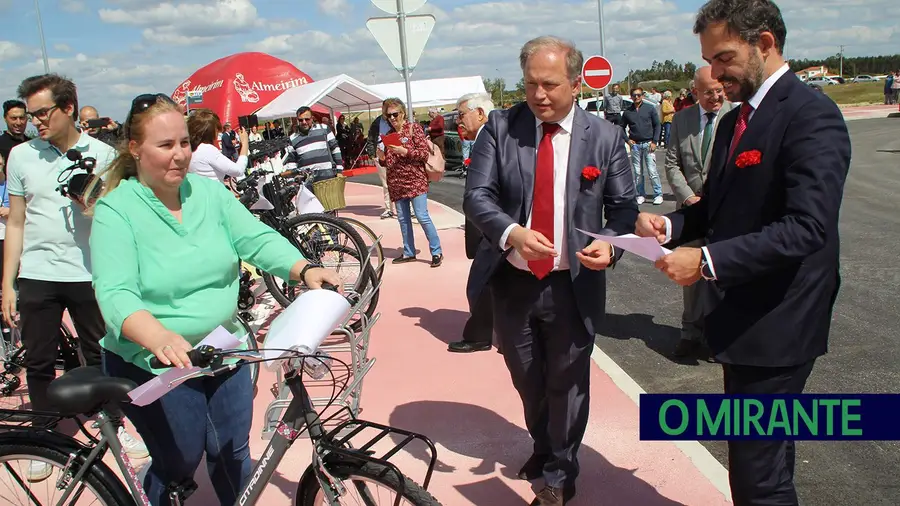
390	6
597	72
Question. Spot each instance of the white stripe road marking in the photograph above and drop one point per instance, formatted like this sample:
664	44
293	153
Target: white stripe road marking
596	73
708	466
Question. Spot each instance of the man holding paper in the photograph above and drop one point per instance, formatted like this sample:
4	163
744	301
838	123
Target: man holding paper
769	212
540	171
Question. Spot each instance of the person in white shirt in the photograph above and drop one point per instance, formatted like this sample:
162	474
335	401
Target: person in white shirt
204	126
255	136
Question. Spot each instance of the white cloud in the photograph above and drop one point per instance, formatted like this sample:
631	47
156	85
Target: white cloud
62	48
10	50
73	6
334	7
184	23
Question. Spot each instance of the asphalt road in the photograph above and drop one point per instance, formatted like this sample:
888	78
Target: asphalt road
645	314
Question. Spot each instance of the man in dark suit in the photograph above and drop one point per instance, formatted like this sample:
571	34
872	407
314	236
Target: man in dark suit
474	110
539	171
769	212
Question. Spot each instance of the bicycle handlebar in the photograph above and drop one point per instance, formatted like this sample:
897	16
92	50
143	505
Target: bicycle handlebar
200	357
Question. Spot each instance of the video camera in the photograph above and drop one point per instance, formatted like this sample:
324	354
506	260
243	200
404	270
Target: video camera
75	185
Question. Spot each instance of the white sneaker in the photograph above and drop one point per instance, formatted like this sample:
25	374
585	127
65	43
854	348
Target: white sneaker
640	200
658	200
133	448
38	471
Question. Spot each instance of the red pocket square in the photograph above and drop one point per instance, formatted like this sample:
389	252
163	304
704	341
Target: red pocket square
748	158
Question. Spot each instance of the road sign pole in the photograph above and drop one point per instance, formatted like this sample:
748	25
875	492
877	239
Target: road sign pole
602	42
401	17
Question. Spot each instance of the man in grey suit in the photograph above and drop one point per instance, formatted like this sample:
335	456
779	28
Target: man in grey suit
687	163
538	172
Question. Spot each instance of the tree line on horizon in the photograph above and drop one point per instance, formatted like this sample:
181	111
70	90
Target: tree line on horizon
680	74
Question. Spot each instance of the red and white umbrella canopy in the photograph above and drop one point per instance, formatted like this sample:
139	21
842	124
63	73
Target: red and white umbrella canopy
240	84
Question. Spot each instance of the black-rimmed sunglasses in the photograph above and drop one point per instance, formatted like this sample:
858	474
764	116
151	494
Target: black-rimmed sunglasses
143	102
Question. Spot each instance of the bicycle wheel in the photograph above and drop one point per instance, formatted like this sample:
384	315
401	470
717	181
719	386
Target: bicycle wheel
252	345
16	458
318	236
370	238
364	477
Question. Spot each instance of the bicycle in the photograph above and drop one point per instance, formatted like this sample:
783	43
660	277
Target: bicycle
12	356
335	460
315	235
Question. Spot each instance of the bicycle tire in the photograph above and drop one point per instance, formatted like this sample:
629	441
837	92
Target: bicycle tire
252	345
368	233
367	273
273	286
308	489
110	494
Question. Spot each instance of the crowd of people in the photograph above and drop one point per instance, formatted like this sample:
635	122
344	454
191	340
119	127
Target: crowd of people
759	266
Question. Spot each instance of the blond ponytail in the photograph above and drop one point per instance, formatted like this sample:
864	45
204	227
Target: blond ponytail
124	166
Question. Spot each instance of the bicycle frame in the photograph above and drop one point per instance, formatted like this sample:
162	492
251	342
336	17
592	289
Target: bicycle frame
299	417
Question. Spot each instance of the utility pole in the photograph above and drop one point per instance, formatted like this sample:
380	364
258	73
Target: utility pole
401	18
602	43
842	61
37	10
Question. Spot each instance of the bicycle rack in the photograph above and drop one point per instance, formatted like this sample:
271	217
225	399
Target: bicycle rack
343	341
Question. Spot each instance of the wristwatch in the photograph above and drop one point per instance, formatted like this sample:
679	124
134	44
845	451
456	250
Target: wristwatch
309	266
705	270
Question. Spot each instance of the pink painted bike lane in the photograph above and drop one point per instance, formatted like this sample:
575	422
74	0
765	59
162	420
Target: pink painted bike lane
466	403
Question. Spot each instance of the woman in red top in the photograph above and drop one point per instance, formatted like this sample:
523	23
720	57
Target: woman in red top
407	181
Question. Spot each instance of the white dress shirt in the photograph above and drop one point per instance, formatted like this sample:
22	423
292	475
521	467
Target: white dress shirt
561	141
208	161
754	102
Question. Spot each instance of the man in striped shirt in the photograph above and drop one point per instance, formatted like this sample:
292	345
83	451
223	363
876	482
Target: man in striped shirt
314	147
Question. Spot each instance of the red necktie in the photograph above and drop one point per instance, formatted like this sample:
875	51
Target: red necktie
740	126
542	207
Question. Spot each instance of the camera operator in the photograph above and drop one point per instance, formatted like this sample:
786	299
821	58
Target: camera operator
103	129
47	236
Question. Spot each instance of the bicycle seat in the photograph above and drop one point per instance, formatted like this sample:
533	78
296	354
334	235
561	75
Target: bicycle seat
86	389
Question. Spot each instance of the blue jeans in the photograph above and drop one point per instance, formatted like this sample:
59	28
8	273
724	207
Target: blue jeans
202	415
666	129
467	148
641	156
420	207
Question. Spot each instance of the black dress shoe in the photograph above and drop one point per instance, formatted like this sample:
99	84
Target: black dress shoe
467	347
686	348
403	260
437	260
553	496
534	468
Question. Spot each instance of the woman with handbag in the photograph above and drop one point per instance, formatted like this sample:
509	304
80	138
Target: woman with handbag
407	180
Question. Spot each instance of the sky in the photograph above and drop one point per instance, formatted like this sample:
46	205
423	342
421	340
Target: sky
117	49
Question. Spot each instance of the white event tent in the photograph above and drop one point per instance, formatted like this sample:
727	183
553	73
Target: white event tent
433	92
340	93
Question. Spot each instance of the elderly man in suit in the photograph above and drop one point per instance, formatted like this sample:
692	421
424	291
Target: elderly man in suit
474	110
541	170
769	211
687	164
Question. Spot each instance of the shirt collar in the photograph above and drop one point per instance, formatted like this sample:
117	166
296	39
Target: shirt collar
760	94
565	123
479	131
82	144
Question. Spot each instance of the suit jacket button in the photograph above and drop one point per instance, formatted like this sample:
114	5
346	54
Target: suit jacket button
709	232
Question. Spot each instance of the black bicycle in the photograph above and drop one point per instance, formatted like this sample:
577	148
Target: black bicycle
348	465
321	238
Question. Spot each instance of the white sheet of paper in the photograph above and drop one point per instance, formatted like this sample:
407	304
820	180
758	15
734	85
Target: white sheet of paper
646	247
160	385
308	321
305	202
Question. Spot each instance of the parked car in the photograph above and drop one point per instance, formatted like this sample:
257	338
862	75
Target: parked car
864	79
591	105
820	81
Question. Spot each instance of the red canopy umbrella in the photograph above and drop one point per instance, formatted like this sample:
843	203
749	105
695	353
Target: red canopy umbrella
240	84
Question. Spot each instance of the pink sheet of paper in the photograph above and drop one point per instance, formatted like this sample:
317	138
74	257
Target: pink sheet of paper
160	385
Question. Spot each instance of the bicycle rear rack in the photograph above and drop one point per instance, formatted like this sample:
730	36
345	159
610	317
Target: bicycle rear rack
21	418
342	341
339	441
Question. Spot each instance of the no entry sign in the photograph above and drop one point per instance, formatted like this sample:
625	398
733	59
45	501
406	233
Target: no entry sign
597	72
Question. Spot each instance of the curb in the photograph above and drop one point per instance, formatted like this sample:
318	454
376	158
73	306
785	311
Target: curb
702	459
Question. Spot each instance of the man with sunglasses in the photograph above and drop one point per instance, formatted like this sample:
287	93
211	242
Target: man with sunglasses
642	122
315	148
46	247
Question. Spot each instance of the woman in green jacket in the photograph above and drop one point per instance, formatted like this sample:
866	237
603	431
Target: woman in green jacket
166	251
